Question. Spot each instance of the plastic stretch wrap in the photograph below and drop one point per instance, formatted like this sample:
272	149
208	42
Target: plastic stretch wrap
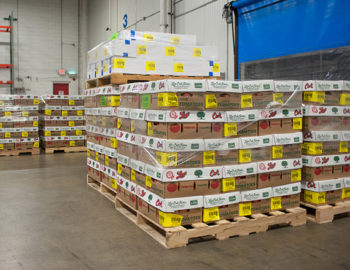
62	121
135	52
201	150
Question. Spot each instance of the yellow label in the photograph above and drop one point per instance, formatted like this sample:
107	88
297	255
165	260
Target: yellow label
344	99
25	114
230	129
148	181
24	134
0	125
278	97
276	203
8	114
141	49
114	143
295	175
104	67
36	144
297	123
119	123
1	102
179	67
80	113
314	197
197	52
169	219
149	129
170	51
148	37
1	147
35	123
64	113
88	152
96	156
47	112
71	102
113	101
167	100
210	101
277	151
208	157
245	209
175	40
97	69
36	101
119	63
71	123
228	184
132	175
246	101
345	193
211	214
63	133
216	67
314	96
166	159
7	135
343	147
78	132
132	125
71	143
245	155
106	160
120	169
113	183
105	52
312	148
150	65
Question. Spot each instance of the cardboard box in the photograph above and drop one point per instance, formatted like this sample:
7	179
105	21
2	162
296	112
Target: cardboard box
127	149
319	123
240	129
324	173
321	198
222	101
278	178
325	148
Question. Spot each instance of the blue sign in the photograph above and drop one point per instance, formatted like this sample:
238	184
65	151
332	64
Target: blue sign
125	20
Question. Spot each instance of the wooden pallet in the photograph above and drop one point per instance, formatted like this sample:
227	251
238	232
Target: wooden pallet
101	187
326	213
123	78
20	152
96	185
220	230
72	149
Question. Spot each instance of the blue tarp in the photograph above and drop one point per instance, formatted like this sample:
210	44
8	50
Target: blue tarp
274	28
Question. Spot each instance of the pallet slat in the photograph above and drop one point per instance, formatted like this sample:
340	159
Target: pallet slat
72	149
20	152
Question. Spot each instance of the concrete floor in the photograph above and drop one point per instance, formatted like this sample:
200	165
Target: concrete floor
50	219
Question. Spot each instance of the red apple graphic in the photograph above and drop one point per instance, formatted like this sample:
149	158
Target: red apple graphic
346	168
172	187
133	198
140	203
264	124
314	121
318	171
175	128
186	94
216	127
264	177
214	184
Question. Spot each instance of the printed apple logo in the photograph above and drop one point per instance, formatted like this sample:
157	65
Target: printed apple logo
346	168
318	171
216	127
264	177
133	198
314	121
175	128
264	124
172	187
140	203
214	184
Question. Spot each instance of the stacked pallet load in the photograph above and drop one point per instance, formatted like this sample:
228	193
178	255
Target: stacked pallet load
147	53
19	131
326	156
201	151
62	123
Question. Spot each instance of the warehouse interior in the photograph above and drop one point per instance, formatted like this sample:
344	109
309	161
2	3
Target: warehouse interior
93	137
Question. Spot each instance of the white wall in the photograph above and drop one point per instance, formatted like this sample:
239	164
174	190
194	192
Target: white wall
37	54
205	22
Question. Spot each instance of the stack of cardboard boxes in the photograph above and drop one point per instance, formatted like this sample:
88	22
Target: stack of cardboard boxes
205	150
326	157
19	117
135	52
62	121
